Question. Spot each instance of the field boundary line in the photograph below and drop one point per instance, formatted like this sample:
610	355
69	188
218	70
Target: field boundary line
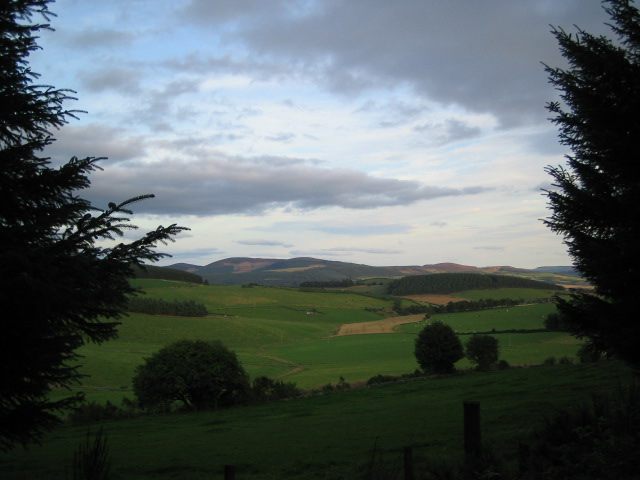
296	367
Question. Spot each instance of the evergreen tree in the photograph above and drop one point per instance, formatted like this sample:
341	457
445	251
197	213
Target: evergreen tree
58	289
596	203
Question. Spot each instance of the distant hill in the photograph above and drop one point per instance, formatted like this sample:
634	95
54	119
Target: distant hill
571	271
294	271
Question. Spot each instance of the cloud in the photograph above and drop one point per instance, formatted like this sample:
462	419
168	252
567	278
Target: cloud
338	228
237	185
266	243
96	140
480	56
193	253
343	252
449	131
159	109
375	251
124	80
490	248
281	137
101	38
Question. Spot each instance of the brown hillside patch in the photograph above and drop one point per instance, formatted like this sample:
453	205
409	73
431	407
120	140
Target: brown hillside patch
244	267
386	325
298	269
435	299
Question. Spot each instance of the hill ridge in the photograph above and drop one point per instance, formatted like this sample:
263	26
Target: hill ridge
293	271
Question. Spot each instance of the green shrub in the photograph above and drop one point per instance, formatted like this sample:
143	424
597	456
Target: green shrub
593	441
380	379
503	365
93	412
564	360
195	373
483	350
264	389
589	354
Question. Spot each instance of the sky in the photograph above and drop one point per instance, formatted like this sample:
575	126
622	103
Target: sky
403	132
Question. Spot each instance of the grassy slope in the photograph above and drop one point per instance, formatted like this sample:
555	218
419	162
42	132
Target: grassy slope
272	334
327	436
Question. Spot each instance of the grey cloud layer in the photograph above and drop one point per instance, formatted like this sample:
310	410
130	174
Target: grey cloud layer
264	243
252	186
338	228
483	56
480	56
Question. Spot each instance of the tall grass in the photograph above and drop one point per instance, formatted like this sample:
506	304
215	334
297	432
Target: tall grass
92	460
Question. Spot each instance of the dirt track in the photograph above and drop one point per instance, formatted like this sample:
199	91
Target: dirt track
380	326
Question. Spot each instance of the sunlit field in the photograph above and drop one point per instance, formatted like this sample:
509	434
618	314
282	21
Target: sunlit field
289	334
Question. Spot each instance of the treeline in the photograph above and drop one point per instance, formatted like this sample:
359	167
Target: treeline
454	307
165	273
157	306
328	284
482	304
446	283
262	390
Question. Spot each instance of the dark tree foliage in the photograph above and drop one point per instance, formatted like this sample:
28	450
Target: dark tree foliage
445	283
196	373
58	289
482	350
166	273
265	389
346	283
481	304
596	200
438	348
157	306
590	441
554	322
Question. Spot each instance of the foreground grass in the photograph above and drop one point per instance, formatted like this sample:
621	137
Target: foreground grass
330	436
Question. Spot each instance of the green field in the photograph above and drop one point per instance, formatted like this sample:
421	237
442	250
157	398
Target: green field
527	317
328	436
527	294
290	334
280	331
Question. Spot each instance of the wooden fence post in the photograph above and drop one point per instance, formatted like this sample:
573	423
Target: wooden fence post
472	440
408	463
229	472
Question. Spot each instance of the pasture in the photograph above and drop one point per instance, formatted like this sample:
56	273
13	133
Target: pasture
289	334
328	437
527	294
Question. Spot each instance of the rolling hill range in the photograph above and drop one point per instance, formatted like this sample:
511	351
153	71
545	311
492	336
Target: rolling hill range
294	271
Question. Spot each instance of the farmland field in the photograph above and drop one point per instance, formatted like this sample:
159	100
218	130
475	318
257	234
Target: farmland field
290	334
527	294
510	318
